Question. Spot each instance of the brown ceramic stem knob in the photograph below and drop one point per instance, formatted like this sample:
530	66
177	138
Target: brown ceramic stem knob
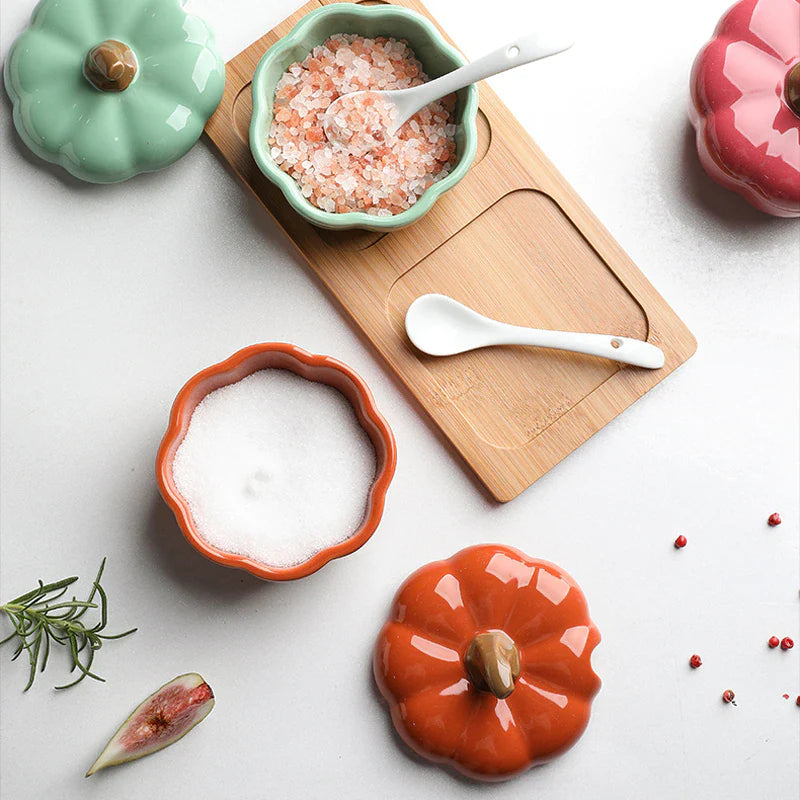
492	662
793	88
110	66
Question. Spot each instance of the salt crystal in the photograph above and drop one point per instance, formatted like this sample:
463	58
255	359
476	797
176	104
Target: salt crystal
275	467
377	165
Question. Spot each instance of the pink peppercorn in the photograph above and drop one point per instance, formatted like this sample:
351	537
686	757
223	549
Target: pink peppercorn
680	542
774	641
695	661
727	696
786	643
774	519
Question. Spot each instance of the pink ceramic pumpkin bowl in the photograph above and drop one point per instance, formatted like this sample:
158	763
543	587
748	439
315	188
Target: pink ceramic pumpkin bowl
746	104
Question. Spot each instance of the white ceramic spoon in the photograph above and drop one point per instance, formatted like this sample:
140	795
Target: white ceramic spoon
406	102
441	326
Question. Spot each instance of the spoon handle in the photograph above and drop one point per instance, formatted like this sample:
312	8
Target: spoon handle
520	51
616	348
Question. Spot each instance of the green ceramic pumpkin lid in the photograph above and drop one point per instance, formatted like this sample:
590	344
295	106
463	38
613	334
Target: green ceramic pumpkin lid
112	88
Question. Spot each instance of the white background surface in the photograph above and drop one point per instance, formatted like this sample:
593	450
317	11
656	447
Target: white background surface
112	297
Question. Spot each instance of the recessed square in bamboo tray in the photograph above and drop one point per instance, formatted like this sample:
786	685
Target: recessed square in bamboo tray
514	241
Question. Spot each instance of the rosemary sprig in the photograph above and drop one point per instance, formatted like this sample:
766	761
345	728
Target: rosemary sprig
38	620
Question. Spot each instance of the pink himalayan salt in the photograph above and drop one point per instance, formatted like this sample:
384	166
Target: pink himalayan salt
371	170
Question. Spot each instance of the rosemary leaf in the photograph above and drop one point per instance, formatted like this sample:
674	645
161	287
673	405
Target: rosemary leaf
39	621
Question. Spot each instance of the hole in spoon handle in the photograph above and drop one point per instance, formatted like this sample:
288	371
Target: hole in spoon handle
512	51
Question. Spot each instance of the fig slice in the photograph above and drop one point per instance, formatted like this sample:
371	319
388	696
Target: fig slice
163	718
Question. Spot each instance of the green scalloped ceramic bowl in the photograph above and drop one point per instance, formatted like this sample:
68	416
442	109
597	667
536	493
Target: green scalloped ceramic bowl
437	58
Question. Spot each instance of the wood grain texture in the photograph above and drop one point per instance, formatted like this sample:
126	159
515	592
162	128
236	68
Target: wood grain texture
514	241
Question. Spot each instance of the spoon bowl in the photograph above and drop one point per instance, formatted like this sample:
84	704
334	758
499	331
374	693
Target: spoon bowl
441	326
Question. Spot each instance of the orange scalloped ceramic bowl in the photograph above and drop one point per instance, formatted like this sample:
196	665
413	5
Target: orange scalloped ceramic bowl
324	369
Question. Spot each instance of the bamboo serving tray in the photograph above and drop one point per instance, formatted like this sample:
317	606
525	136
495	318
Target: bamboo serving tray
514	241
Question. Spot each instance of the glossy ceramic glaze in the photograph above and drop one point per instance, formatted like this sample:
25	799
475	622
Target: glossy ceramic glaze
278	355
748	134
107	136
437	58
420	668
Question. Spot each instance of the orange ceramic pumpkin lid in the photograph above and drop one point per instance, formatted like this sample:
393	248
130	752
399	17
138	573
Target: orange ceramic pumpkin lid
486	661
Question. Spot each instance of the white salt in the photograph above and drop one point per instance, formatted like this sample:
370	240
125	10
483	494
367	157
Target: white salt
275	467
